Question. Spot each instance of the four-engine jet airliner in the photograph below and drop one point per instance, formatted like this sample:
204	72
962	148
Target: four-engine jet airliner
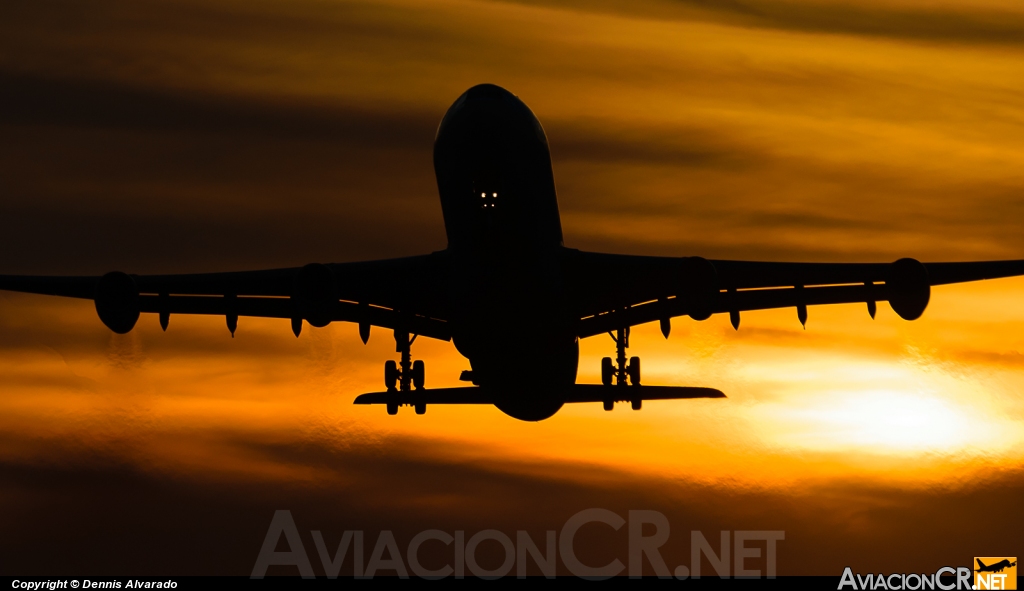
994	568
505	291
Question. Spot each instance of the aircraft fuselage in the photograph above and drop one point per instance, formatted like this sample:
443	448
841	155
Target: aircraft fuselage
510	311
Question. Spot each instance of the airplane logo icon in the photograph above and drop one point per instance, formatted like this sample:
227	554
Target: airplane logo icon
995	573
994	568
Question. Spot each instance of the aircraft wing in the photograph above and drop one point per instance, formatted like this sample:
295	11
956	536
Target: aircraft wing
617	291
404	293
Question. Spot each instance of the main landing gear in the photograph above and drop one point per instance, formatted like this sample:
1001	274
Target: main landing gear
406	374
619	372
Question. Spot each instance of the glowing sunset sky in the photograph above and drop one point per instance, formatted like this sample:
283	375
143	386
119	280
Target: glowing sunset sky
167	137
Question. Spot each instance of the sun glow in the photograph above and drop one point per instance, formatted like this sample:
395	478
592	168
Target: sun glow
890	421
218	135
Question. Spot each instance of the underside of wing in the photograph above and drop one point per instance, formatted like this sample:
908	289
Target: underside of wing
403	294
617	291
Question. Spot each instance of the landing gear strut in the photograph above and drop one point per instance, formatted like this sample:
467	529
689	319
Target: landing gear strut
405	375
619	371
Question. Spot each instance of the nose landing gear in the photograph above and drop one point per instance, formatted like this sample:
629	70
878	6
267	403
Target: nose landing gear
619	371
405	375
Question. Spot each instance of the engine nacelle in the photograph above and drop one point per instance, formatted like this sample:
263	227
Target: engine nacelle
117	301
315	293
698	286
909	288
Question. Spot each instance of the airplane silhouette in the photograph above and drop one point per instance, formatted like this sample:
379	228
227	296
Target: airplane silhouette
994	568
505	291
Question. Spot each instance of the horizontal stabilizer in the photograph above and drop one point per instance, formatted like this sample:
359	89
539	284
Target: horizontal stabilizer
574	393
599	393
463	395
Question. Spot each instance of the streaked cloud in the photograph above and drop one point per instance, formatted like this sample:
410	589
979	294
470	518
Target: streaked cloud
204	136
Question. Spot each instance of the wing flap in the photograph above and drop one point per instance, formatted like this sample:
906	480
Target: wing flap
615	291
738	301
405	293
285	308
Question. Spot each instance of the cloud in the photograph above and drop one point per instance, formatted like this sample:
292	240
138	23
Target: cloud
951	22
96	165
956	22
209	136
120	518
116	105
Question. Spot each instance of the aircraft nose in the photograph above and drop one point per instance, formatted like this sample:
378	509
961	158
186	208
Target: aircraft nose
487	92
488	117
489	101
485	110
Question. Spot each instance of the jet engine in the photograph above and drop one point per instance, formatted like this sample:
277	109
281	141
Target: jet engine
315	294
117	301
698	286
909	288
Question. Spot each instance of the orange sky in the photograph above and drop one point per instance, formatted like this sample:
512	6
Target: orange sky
204	136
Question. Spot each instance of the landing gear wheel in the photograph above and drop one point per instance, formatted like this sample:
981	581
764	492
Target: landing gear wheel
637	402
390	377
634	371
607	373
392	408
421	408
609	404
417	377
